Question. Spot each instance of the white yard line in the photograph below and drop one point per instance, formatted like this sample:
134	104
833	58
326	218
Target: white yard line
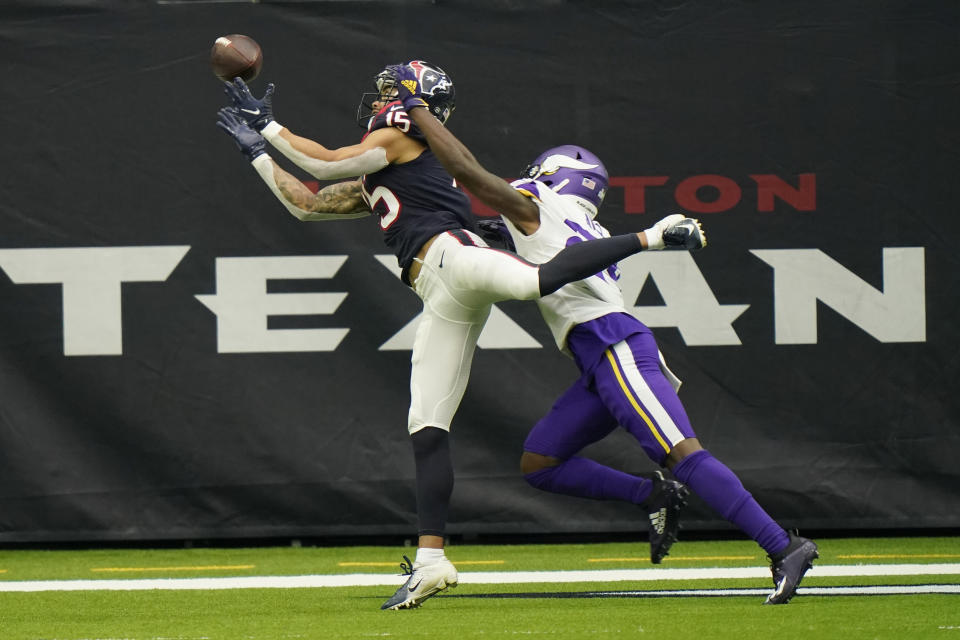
479	577
872	590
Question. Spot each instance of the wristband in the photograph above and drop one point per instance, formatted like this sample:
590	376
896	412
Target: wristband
654	238
272	130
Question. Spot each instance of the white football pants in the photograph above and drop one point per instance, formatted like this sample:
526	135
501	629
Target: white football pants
457	283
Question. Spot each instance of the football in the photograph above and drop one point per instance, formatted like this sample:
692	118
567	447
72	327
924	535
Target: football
236	56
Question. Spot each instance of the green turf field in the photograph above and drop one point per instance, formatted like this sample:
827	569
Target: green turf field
474	609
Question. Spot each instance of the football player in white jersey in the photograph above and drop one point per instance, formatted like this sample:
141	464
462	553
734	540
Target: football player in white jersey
624	380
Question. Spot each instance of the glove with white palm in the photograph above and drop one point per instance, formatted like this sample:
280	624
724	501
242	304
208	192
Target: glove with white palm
676	232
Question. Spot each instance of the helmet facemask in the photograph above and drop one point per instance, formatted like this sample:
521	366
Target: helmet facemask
386	92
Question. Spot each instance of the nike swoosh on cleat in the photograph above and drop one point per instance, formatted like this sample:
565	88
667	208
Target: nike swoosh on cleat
411	588
254	112
441	259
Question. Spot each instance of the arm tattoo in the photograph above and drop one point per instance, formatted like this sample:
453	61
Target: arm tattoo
339	198
342	197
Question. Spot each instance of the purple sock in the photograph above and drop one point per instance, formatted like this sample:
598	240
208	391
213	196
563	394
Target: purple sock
588	479
720	488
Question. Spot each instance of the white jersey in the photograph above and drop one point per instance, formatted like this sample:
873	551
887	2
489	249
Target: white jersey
562	223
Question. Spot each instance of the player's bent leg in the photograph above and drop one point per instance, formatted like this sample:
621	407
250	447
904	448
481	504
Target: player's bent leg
493	274
453	277
481	275
578	418
533	462
585	478
634	389
473	275
681	450
646	404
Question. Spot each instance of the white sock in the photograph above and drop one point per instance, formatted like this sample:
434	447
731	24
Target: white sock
426	555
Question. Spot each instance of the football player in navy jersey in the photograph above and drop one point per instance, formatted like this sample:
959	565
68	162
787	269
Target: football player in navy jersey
624	380
427	223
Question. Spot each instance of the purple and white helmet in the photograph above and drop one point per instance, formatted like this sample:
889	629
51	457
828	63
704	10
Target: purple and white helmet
572	171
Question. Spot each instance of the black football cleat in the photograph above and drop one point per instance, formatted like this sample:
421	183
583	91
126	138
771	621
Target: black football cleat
663	508
789	567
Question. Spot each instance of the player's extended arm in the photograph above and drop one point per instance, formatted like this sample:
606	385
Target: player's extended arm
673	232
460	163
336	202
312	157
340	201
323	163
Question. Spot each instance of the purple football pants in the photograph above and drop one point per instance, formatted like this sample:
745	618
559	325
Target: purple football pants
629	389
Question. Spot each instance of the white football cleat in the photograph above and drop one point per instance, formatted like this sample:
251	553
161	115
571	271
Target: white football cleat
425	581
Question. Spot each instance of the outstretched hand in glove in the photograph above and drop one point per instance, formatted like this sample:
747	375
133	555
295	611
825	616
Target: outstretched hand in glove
676	232
256	112
249	141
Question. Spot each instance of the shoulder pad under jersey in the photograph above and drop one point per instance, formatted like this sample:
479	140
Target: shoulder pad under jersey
393	115
527	187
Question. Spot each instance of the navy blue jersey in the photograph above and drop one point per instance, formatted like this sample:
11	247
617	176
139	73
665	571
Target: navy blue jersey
414	200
